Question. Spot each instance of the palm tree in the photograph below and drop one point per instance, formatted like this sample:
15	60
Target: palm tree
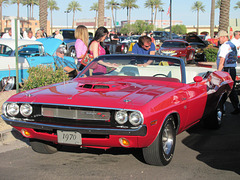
224	15
52	5
158	6
129	4
74	6
30	3
18	4
112	5
2	3
212	19
43	13
218	4
100	13
150	4
94	7
237	5
198	6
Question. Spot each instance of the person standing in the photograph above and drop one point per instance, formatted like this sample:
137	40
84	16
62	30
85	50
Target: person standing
236	42
39	34
8	34
44	33
81	44
30	36
227	61
58	35
113	42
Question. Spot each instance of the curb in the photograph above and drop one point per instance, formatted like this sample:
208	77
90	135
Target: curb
10	135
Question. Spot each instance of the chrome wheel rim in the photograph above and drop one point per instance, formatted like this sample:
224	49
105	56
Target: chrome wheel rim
167	139
8	84
73	54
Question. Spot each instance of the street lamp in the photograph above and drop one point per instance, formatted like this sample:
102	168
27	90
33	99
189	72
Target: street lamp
68	11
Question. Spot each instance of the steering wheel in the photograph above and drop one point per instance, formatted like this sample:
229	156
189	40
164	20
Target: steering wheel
160	75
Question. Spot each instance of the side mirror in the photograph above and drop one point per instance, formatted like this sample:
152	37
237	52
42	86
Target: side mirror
198	78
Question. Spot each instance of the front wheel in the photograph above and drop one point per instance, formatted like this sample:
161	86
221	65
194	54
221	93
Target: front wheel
72	52
8	83
42	147
160	152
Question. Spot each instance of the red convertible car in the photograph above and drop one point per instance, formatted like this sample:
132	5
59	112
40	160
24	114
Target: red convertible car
178	48
128	101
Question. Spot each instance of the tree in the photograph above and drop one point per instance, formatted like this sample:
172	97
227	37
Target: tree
30	3
94	7
224	15
112	5
237	5
74	6
218	4
129	4
179	29
100	13
2	3
52	5
138	27
150	4
158	7
212	19
18	4
43	13
198	6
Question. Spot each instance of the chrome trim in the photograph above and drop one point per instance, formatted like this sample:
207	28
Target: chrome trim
140	131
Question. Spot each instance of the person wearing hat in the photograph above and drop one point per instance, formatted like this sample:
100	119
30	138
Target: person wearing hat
44	33
67	66
227	61
58	35
113	42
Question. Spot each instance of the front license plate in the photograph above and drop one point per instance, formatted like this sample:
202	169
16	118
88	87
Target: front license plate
69	137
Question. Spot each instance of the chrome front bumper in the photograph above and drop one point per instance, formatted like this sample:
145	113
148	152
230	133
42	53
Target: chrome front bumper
140	131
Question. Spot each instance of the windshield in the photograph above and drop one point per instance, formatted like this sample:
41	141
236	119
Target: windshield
134	65
173	44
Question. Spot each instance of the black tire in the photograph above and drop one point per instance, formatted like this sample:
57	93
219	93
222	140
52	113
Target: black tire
214	121
43	147
125	50
160	152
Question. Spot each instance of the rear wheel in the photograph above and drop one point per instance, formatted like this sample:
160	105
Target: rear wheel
214	121
43	147
8	83
160	152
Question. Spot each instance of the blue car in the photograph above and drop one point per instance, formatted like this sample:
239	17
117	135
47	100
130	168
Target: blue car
30	54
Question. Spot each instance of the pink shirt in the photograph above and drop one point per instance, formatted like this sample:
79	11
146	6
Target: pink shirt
80	48
100	68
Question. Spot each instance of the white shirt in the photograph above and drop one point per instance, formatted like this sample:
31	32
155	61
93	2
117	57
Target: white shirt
59	36
32	38
6	35
236	42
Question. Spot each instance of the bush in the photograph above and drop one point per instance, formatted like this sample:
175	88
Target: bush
211	54
44	75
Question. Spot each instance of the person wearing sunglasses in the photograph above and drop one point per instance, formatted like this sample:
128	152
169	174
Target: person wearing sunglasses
144	46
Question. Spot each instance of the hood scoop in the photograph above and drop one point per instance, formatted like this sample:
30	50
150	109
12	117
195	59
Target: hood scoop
102	87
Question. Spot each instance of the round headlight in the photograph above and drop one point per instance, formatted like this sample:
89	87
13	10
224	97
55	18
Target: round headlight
26	110
135	118
121	117
12	109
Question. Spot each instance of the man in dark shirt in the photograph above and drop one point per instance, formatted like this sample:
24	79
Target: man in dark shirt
113	42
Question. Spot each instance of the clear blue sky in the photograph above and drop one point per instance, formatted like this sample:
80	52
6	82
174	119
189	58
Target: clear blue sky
181	11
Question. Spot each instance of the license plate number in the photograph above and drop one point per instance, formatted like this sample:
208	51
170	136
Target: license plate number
69	137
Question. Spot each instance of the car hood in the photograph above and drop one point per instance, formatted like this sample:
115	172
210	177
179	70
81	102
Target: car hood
191	37
50	44
119	92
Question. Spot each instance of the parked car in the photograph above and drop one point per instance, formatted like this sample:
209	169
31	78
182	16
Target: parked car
131	39
198	44
178	48
30	54
160	36
122	48
126	104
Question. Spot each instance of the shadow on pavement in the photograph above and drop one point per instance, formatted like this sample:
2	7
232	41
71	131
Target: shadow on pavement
219	149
